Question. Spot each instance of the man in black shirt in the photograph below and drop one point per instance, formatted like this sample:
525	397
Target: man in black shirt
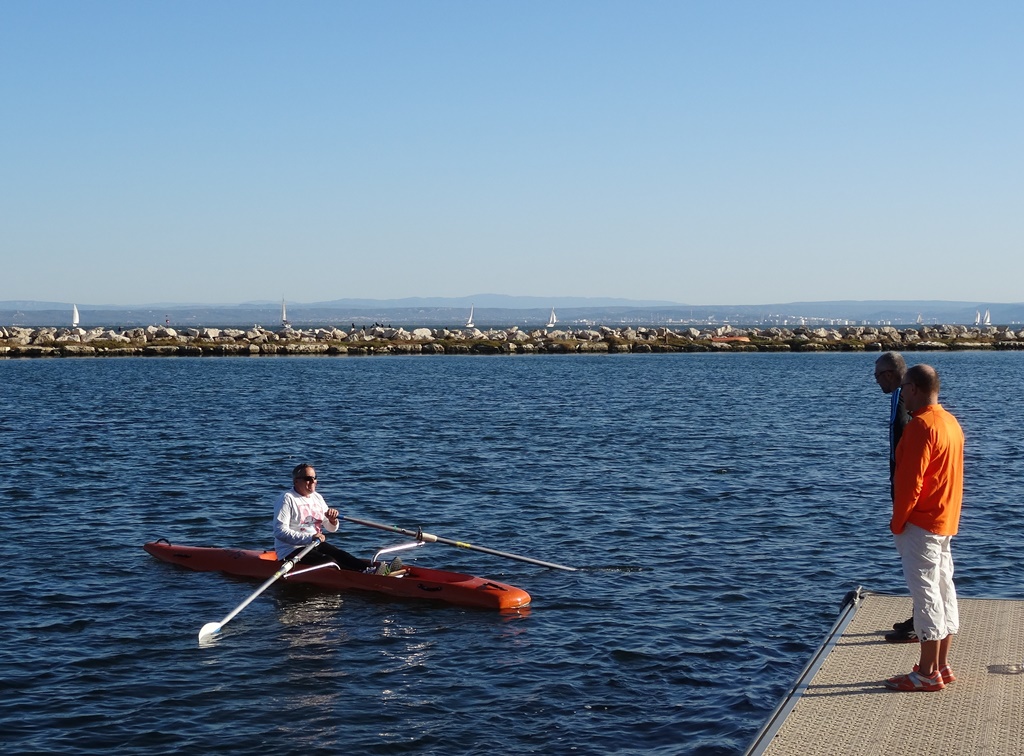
889	371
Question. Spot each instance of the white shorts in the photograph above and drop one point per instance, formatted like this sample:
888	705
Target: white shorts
928	569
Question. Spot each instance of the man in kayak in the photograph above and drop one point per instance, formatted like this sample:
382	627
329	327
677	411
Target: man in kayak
929	488
889	371
301	516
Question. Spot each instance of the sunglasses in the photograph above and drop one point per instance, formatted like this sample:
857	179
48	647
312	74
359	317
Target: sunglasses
309	478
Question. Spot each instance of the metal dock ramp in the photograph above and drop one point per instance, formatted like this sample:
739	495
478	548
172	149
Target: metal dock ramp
838	705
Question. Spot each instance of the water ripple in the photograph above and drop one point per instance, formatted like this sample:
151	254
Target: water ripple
719	507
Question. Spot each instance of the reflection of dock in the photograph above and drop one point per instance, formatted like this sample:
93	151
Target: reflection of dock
839	706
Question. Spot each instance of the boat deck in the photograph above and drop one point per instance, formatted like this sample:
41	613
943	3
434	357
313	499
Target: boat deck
839	706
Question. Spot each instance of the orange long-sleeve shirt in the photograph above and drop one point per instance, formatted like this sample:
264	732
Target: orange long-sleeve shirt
929	481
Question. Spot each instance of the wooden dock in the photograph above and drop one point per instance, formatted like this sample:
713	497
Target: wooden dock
839	706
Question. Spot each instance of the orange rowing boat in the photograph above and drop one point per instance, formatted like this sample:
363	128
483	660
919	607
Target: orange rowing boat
415	582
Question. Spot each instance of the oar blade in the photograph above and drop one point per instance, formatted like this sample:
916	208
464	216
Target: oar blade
209	629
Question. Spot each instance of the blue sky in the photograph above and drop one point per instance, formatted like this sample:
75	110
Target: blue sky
698	152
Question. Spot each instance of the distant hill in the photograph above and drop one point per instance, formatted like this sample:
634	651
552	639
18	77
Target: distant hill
495	301
494	310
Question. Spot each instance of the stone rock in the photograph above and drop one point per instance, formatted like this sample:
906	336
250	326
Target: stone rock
306	348
77	350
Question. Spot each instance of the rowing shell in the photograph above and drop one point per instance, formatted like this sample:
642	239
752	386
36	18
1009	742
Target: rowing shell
417	582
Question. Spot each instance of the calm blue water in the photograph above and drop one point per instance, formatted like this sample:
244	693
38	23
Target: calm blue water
719	505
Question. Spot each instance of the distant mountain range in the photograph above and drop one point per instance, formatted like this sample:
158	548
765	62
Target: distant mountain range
496	310
500	301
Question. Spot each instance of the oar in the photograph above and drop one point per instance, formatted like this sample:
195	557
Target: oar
214	627
419	535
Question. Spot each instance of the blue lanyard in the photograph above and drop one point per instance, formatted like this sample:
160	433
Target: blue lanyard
894	408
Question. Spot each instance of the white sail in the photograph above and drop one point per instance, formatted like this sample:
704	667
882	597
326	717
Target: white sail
977	318
988	318
284	313
552	320
74	316
469	323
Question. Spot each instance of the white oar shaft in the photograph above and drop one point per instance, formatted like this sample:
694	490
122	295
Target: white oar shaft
429	538
214	627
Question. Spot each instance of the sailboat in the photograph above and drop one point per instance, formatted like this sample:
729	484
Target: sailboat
284	315
987	319
469	323
74	316
552	320
919	320
977	317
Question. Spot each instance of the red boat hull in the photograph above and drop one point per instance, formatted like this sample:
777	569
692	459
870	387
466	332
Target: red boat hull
418	582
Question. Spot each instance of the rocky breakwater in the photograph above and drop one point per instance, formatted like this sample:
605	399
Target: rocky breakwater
161	341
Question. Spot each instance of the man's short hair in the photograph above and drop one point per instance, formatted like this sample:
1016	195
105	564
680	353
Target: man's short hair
300	470
893	361
925	378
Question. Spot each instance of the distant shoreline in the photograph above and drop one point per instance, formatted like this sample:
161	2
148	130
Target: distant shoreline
154	341
527	313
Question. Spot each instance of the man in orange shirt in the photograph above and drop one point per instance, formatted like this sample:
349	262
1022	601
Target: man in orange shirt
928	493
